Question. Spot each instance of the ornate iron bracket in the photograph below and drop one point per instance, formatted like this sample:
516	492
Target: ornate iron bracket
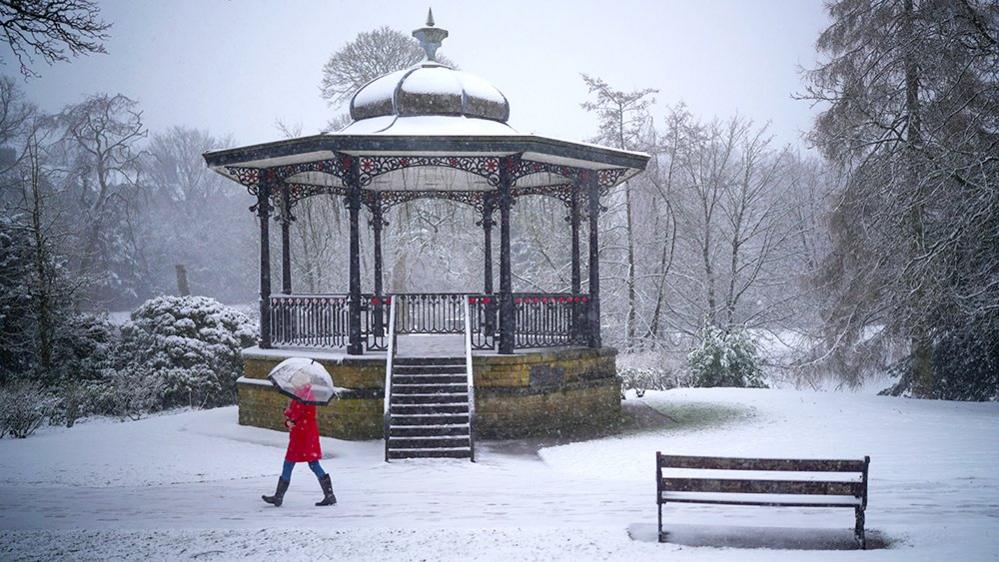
483	166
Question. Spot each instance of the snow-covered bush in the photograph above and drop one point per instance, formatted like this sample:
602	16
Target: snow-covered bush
186	349
642	379
725	359
24	405
126	393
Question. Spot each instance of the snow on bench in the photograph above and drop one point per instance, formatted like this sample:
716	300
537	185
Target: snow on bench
716	480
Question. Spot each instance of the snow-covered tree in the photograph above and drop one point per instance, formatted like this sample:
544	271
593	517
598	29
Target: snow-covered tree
187	348
909	95
725	358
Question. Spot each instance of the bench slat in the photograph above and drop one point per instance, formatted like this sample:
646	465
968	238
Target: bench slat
724	485
792	465
755	499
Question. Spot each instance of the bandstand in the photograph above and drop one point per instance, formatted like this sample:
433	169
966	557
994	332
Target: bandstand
526	363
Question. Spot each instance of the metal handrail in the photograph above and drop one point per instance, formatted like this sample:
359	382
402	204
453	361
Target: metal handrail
389	356
470	381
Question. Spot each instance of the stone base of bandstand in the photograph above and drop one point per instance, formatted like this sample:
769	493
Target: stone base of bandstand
531	393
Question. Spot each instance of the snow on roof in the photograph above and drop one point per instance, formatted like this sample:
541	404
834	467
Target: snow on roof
378	89
443	125
429	88
432	80
475	86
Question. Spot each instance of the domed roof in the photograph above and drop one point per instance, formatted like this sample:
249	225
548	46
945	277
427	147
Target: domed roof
429	88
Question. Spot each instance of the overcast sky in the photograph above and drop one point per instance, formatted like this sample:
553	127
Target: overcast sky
234	67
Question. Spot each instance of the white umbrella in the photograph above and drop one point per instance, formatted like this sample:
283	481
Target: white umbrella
304	380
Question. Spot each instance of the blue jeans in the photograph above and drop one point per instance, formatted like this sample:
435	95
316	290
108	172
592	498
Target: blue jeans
317	469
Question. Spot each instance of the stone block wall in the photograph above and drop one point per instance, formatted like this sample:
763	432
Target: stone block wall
356	415
546	392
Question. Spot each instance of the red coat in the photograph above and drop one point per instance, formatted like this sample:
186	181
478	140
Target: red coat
303	439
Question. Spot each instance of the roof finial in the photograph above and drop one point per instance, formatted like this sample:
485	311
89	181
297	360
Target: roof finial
430	37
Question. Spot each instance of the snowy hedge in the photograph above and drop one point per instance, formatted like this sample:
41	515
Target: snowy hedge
184	350
725	358
641	379
24	405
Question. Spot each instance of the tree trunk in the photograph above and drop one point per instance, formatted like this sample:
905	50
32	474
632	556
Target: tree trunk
630	329
183	289
922	366
42	294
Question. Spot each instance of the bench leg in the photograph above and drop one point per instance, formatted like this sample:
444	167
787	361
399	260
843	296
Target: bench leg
662	537
858	529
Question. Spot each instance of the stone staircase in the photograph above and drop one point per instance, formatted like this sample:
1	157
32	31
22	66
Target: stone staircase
429	409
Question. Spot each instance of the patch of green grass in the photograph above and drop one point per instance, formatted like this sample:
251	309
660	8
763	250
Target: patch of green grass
641	416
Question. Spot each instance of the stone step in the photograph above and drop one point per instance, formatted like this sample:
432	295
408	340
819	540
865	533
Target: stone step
428	369
453	408
437	388
429	418
429	379
429	361
429	430
451	452
430	398
429	442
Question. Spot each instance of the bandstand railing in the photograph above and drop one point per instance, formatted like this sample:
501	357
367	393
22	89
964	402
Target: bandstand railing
430	313
549	319
309	320
482	314
323	321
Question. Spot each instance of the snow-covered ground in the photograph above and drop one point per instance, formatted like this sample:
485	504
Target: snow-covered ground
187	485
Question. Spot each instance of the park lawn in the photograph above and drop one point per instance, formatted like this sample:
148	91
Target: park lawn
188	484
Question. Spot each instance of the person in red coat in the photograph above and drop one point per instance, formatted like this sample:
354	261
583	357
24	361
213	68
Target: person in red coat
303	446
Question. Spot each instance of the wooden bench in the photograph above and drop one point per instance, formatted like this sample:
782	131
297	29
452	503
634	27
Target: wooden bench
792	491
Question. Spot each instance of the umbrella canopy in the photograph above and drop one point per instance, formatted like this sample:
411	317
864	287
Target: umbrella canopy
304	380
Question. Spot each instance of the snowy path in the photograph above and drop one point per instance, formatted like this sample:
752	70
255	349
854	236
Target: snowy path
188	485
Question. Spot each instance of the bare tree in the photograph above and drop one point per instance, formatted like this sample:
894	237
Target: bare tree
622	116
50	28
370	55
99	144
734	229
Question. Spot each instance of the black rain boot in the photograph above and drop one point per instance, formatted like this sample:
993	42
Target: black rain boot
278	496
328	497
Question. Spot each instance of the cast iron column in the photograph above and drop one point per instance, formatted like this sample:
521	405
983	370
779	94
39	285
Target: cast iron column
354	302
593	311
577	308
263	213
286	219
487	244
506	311
574	226
489	320
377	222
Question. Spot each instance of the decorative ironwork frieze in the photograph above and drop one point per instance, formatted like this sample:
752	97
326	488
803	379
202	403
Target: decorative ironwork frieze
393	198
529	167
605	178
608	178
334	166
369	167
561	191
484	166
248	177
